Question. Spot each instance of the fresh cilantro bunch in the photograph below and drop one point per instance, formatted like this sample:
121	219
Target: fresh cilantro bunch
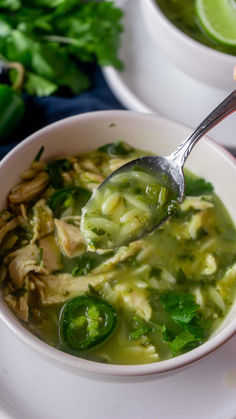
51	38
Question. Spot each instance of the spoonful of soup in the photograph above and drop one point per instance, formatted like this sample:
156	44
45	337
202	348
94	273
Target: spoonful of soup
139	196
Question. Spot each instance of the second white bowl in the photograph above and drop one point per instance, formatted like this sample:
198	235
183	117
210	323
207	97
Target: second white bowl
198	61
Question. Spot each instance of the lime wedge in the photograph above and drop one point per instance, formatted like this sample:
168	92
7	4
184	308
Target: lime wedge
218	19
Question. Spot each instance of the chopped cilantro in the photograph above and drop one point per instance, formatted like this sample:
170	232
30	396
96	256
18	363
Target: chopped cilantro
133	262
116	149
139	327
55	169
84	264
181	307
72	197
98	231
182	340
188	328
155	272
180	276
39	154
198	186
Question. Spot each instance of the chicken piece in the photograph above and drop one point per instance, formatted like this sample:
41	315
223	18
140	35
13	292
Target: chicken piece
115	163
51	254
58	288
209	266
225	284
216	297
19	305
188	230
42	221
73	219
88	177
11	225
196	203
69	239
88	165
27	190
122	254
23	261
132	298
5	216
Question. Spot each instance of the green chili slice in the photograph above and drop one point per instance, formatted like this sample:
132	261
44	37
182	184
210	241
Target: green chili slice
86	321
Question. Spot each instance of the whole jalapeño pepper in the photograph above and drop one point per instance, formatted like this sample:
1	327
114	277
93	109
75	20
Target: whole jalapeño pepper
12	106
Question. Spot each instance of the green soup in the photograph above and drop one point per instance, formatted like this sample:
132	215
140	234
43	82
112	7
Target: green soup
148	301
183	15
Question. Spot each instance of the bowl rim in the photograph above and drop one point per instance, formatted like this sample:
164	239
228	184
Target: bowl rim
191	42
65	360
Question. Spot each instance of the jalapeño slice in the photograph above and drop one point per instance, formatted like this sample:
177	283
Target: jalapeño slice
86	321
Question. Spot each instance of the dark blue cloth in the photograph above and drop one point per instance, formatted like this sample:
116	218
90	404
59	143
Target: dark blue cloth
43	111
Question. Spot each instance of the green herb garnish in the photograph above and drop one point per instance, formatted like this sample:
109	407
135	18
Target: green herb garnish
39	154
139	327
72	197
196	187
116	149
55	169
187	331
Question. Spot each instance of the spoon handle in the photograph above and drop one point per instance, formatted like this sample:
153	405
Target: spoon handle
224	109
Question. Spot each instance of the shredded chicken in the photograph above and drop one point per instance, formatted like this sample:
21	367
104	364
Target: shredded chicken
42	221
11	225
23	261
51	253
27	190
195	202
69	238
135	299
19	305
58	288
4	217
122	254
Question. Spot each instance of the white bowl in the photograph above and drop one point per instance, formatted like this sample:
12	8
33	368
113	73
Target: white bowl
88	131
193	58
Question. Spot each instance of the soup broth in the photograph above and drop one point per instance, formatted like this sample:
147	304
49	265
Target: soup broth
148	301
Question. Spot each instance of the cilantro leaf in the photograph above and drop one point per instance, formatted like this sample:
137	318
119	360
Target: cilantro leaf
187	328
140	329
72	197
182	340
198	186
39	153
86	262
48	60
38	85
55	169
98	231
116	149
181	307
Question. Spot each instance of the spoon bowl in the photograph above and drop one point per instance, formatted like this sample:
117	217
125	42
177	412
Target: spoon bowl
163	186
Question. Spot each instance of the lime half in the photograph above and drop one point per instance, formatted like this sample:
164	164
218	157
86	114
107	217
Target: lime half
218	19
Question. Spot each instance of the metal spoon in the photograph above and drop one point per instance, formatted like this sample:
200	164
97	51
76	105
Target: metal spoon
169	170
